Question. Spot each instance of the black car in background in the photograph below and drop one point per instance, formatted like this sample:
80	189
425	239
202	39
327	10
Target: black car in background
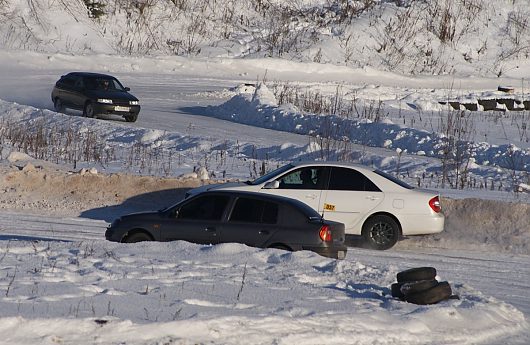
254	219
94	94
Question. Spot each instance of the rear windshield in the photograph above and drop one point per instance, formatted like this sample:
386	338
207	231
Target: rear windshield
393	179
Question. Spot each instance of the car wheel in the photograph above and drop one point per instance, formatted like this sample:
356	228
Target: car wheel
440	292
380	232
89	111
416	274
137	237
58	105
131	118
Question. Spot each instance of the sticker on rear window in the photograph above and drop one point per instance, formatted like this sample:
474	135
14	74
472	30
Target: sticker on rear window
329	207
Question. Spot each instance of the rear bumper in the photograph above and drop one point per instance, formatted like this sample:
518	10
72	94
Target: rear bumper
335	252
422	224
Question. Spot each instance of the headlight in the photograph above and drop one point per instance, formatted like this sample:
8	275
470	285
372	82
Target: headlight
134	102
104	100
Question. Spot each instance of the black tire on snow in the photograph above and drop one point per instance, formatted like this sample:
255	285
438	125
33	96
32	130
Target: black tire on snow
137	237
436	294
415	274
395	290
414	287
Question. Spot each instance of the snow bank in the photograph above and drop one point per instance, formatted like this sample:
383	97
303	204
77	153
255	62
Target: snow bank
78	293
252	110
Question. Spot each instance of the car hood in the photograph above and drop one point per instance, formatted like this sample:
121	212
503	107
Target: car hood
140	215
112	95
215	186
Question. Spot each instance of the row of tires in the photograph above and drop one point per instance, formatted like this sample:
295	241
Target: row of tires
419	286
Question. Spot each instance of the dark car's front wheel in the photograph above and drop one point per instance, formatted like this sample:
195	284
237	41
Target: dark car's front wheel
380	232
89	111
58	105
131	118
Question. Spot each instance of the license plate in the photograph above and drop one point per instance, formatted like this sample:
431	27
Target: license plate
119	108
341	254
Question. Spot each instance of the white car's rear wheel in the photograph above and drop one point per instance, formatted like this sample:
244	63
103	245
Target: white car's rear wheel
380	232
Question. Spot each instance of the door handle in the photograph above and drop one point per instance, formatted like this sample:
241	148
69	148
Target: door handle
371	197
311	196
263	232
210	229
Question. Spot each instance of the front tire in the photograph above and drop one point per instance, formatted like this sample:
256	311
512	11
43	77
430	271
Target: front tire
380	232
131	118
58	105
89	111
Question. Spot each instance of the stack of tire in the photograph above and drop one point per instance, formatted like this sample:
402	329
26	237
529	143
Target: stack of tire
419	286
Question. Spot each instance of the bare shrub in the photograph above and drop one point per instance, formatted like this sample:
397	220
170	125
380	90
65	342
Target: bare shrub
458	128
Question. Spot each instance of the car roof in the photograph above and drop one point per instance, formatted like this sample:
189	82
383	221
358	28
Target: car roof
308	211
90	74
331	163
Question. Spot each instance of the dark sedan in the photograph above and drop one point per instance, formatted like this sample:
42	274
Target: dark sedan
254	219
95	94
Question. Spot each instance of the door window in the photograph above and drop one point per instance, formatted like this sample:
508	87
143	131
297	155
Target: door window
350	179
208	207
304	178
254	211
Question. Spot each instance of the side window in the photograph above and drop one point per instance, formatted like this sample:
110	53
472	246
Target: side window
66	82
78	83
208	207
350	179
254	211
304	178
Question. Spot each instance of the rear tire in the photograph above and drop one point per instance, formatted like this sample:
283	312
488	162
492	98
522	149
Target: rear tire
137	237
380	232
58	105
89	111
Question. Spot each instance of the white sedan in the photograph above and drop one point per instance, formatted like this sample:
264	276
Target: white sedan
369	202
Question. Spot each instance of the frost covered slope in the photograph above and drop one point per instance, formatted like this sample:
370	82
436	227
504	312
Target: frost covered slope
431	37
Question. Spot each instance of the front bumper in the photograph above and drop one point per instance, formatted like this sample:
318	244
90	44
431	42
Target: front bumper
102	108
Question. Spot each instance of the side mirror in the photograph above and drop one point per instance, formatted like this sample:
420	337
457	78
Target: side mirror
127	88
272	185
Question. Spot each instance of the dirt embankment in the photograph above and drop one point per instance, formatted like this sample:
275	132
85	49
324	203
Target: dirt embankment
470	223
49	190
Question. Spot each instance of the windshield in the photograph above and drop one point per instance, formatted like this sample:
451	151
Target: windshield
103	83
272	174
393	179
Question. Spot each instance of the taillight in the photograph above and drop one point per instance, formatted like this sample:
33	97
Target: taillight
434	203
325	233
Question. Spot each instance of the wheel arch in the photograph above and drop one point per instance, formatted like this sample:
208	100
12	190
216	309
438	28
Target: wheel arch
137	231
279	245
